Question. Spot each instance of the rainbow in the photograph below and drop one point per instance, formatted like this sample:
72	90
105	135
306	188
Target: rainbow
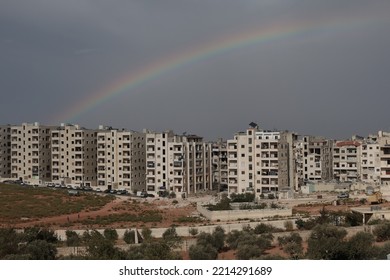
128	82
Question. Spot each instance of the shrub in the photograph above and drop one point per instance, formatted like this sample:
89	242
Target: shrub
110	234
288	225
72	238
382	232
242	197
193	231
129	236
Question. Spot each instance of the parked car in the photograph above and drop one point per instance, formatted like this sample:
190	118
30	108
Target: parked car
343	195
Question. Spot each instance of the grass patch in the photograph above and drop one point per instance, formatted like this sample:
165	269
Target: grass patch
25	202
145	217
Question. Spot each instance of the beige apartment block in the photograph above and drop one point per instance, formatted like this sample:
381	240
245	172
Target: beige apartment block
346	160
120	159
253	161
370	167
177	163
384	155
73	153
198	164
314	159
30	153
5	152
220	165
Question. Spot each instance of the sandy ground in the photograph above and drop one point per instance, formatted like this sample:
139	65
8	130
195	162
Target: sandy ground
135	206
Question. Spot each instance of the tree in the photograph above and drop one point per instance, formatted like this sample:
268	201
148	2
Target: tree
146	234
100	248
40	250
158	250
36	233
223	204
382	232
208	245
72	238
248	244
327	242
360	246
171	237
381	252
354	219
9	240
264	228
110	234
218	238
251	246
292	245
129	237
203	252
193	231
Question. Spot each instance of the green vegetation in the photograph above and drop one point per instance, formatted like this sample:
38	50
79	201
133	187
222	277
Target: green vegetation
145	217
250	243
32	244
208	245
339	218
187	220
329	242
223	204
382	232
292	245
129	236
242	197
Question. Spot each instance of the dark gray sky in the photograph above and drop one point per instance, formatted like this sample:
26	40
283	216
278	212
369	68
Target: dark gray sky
332	80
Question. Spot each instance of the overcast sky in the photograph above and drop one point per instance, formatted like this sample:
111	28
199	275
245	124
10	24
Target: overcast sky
332	80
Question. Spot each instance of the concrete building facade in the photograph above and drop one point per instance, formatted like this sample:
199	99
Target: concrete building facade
287	168
253	161
220	165
177	163
314	159
31	153
73	155
346	160
120	159
5	152
384	157
370	166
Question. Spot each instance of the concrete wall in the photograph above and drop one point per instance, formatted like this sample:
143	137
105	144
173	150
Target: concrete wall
234	215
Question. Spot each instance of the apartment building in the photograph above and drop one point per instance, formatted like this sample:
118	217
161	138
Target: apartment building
31	153
120	159
73	155
287	167
253	161
384	157
198	168
346	160
220	165
314	159
177	163
370	166
5	152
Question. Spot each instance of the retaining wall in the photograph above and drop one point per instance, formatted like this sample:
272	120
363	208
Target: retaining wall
233	215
